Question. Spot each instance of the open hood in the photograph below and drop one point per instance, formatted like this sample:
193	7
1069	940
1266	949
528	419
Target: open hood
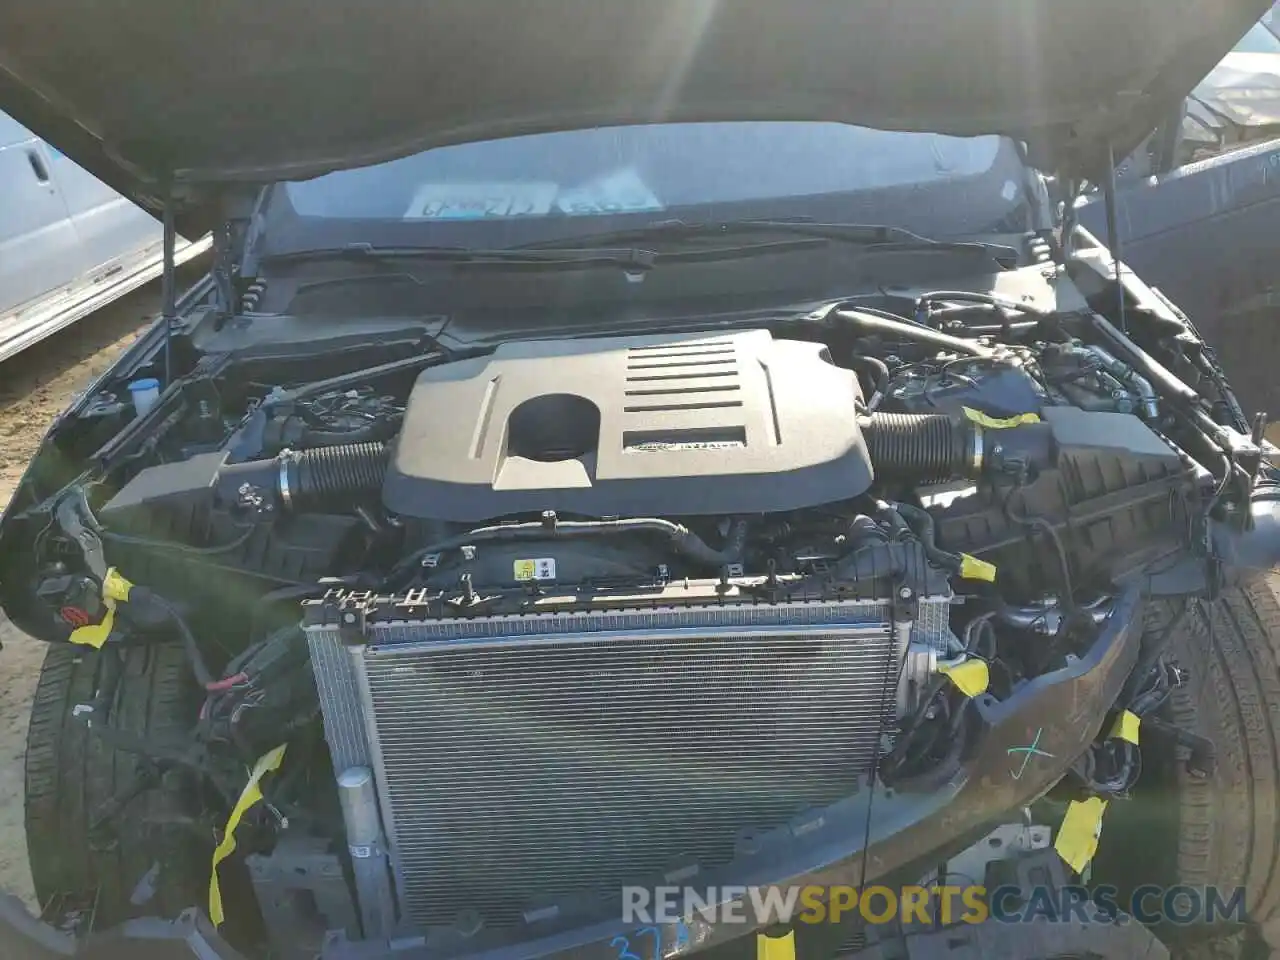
142	91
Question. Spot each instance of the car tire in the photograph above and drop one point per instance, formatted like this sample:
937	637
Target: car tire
1221	830
73	774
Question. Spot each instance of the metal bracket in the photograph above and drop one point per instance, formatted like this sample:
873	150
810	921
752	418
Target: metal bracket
302	895
1202	759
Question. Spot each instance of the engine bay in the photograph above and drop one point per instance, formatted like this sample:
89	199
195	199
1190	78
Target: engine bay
873	517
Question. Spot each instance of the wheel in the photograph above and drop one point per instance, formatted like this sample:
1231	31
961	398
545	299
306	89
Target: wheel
1222	830
147	858
1229	823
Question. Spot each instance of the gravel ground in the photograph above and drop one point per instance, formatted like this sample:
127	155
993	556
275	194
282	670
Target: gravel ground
34	387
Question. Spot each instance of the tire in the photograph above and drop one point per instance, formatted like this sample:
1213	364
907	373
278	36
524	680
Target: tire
1222	830
1229	823
72	774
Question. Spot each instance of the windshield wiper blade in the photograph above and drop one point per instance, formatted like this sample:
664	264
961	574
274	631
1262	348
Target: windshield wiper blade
627	258
878	237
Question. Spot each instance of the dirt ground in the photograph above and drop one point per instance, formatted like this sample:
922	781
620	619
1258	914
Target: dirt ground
34	386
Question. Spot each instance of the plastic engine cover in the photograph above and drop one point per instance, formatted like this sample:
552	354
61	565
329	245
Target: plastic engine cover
685	424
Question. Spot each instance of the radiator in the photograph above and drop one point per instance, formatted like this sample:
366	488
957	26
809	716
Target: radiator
526	761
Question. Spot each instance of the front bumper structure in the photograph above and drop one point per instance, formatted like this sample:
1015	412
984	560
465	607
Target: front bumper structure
1061	713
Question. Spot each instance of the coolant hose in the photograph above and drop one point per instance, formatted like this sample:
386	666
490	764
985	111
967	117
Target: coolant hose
921	523
922	447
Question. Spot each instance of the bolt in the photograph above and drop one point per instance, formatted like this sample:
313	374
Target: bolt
348	618
904	593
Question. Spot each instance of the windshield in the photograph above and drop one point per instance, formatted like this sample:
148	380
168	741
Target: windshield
1259	39
657	170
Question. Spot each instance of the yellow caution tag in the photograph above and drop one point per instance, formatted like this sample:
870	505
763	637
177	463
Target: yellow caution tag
971	677
999	423
116	587
1126	727
251	794
781	947
971	568
1078	836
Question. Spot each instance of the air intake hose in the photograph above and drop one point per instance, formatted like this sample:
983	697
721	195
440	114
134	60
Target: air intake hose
321	478
332	475
922	447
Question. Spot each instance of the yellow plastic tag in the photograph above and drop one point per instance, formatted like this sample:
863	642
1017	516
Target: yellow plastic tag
1078	836
998	423
1126	727
971	677
251	794
95	634
971	568
781	947
116	587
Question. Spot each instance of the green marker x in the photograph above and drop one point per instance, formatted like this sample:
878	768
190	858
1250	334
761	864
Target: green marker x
1027	753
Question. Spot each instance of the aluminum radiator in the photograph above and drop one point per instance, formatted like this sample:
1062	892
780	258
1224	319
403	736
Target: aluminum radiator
523	761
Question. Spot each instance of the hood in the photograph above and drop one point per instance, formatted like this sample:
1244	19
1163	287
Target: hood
142	92
1244	90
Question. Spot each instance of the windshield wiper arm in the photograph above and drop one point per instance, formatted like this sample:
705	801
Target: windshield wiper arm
885	239
551	257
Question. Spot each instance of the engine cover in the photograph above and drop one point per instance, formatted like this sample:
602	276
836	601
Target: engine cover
682	424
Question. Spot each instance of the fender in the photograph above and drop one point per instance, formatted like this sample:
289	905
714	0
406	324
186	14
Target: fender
1205	235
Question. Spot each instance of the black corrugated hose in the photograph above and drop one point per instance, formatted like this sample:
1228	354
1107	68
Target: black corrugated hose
920	447
327	475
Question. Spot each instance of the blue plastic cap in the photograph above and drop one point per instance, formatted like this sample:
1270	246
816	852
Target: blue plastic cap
148	383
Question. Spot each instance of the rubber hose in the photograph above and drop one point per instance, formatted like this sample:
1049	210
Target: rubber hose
881	386
875	324
920	447
694	547
334	475
921	523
